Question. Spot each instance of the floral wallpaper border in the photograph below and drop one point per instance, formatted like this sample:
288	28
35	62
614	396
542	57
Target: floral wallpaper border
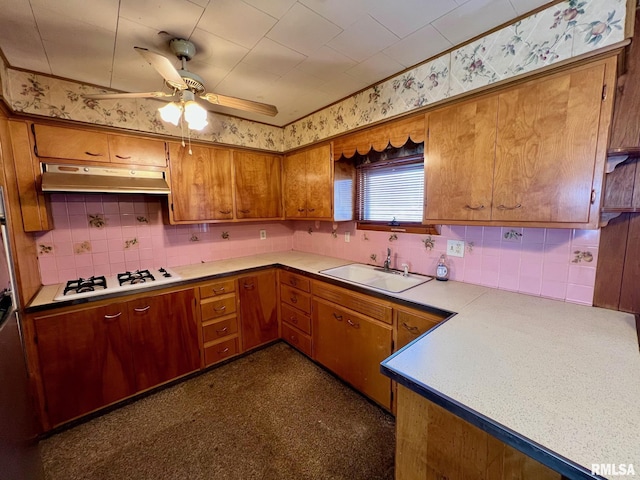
560	32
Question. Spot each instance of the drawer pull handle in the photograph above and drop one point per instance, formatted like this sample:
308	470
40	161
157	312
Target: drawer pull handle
293	299
293	338
293	281
123	157
224	330
143	309
218	290
301	209
411	328
249	286
481	207
223	351
312	209
220	309
225	212
111	317
244	211
353	324
91	154
337	317
503	207
293	320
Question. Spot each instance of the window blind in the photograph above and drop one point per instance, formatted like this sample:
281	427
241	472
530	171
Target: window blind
393	190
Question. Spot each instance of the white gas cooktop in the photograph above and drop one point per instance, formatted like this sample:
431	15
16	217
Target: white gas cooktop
122	282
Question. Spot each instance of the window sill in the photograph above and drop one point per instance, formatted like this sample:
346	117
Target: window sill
402	228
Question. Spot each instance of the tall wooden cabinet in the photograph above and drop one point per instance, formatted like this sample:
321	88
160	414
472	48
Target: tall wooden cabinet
308	183
258	299
201	184
531	154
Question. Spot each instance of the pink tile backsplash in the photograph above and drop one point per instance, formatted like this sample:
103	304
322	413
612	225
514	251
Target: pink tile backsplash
536	261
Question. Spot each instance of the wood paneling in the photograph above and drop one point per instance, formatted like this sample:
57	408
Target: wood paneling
85	360
258	185
630	290
460	159
258	309
611	255
164	337
432	443
201	184
622	187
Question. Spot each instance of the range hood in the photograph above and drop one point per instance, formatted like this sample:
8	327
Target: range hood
89	179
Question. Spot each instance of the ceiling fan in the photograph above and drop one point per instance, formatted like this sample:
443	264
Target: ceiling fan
186	85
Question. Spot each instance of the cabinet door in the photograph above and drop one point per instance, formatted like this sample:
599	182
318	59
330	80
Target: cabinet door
258	314
137	151
546	147
367	344
459	161
258	185
71	144
412	325
85	360
319	181
201	187
295	185
329	336
164	337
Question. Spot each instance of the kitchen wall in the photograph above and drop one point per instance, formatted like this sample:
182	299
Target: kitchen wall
107	234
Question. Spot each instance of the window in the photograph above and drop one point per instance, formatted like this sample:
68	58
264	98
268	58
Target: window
392	191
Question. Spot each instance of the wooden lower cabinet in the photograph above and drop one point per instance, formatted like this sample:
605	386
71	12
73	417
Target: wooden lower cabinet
85	360
258	300
352	346
412	323
295	311
219	321
434	443
92	357
164	337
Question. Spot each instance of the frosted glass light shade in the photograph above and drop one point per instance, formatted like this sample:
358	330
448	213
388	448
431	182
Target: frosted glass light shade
170	113
195	115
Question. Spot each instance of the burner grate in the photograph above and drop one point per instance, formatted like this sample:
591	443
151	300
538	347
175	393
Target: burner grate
81	285
133	278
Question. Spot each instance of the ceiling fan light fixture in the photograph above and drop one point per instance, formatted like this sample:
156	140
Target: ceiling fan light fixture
195	115
171	113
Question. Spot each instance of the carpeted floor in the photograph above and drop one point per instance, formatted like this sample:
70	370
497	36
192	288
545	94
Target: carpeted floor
271	415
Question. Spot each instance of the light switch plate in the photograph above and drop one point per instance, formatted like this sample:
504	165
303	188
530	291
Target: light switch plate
455	248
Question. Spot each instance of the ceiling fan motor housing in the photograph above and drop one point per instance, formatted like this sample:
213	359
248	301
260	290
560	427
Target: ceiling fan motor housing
182	48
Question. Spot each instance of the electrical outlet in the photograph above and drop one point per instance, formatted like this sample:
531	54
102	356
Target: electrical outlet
347	237
455	248
263	234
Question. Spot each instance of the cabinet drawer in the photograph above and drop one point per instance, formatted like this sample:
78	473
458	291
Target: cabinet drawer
297	339
412	325
219	351
217	330
378	309
218	307
296	318
295	280
219	288
295	298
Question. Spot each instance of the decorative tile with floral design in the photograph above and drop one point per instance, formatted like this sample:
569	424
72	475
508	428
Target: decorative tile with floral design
82	247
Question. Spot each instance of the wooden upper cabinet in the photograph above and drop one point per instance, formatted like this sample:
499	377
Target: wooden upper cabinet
532	154
201	185
459	164
258	185
308	183
546	147
65	143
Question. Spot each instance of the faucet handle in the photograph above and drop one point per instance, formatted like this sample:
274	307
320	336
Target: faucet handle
405	266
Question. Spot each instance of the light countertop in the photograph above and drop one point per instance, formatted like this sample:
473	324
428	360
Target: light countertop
562	377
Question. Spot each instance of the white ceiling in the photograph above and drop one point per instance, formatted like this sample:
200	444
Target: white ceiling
298	55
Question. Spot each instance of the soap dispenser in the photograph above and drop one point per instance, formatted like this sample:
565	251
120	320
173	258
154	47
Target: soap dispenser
442	270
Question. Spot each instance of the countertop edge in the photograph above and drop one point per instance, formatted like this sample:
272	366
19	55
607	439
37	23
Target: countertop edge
538	452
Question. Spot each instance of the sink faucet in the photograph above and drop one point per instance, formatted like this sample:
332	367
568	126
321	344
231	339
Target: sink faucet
387	262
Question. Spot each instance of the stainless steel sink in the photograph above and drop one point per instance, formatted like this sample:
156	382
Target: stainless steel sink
374	277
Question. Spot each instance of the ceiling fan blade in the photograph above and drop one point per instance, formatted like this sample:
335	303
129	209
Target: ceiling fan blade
107	96
164	67
240	104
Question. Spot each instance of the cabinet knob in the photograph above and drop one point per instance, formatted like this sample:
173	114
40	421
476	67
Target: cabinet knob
111	317
293	338
142	309
293	281
293	320
480	207
293	299
504	207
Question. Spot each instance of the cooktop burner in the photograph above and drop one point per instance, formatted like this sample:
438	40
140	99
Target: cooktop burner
101	285
81	285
